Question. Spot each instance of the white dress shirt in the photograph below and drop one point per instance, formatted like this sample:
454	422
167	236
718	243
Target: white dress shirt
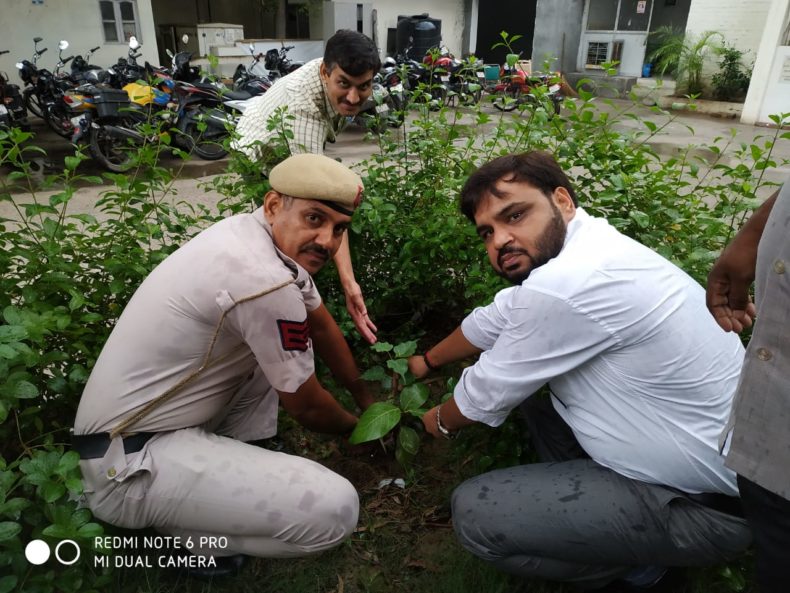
637	366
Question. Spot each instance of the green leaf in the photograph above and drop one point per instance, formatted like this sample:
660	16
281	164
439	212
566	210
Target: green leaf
71	162
8	584
377	373
9	529
12	333
413	397
3	411
382	347
409	440
52	491
7	352
68	462
90	530
406	349
13	507
375	422
12	315
399	365
59	532
24	390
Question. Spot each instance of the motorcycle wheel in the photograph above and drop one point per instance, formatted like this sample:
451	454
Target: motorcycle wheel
33	103
208	145
112	152
508	99
57	117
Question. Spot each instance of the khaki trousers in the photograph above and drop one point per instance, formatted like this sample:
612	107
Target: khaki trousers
192	482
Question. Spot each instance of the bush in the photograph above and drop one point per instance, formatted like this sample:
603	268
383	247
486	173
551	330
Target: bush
731	82
67	276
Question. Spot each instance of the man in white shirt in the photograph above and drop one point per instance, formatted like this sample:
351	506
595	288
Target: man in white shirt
641	381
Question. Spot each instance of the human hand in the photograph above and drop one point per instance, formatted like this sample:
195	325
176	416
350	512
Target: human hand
359	390
727	292
355	305
430	423
417	366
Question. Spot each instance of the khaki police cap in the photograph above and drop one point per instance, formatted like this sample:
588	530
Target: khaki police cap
317	177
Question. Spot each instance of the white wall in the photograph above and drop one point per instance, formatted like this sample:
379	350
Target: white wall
451	13
741	22
78	21
769	91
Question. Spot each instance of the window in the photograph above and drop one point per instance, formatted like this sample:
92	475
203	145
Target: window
119	20
597	53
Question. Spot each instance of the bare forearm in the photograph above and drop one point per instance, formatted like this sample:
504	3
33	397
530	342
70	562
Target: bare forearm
330	345
342	261
453	348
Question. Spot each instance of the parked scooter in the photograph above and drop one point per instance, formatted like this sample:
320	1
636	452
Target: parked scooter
278	64
246	79
35	87
12	106
384	107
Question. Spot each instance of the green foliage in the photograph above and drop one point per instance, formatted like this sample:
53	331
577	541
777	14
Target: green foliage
683	56
732	80
66	278
406	398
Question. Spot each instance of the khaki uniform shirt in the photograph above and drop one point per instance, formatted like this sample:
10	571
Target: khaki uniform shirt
302	93
760	448
199	294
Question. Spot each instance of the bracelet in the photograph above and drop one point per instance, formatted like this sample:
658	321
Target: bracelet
429	364
445	432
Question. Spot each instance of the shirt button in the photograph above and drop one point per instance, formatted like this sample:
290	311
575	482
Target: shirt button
779	266
764	354
111	472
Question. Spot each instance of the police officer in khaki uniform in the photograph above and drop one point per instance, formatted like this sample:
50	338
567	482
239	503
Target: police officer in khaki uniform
216	336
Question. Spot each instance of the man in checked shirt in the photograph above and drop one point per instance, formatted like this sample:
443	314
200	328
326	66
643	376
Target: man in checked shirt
318	99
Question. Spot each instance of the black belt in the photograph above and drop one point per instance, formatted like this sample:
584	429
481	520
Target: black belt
94	446
730	505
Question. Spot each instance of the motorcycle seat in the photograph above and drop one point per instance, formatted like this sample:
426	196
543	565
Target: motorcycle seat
237	95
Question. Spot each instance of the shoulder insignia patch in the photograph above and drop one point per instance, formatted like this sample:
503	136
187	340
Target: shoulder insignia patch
294	335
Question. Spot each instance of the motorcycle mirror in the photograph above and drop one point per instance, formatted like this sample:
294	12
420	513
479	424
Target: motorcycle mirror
252	49
133	43
63	45
185	38
169	53
38	39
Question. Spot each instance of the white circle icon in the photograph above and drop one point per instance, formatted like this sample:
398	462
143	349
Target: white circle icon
76	556
37	552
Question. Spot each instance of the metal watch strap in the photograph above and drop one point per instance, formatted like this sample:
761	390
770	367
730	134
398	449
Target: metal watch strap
445	432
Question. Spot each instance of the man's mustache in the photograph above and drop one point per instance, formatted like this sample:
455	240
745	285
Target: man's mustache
315	248
507	249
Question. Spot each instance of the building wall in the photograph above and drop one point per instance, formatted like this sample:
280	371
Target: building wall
740	22
77	21
451	13
558	28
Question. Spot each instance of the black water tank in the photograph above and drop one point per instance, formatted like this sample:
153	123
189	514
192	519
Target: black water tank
420	32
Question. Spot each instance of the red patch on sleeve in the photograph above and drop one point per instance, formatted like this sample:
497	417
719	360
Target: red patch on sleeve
358	198
294	335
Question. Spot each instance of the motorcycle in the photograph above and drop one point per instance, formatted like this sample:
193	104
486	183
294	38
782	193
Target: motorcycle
31	76
277	62
517	87
384	107
245	79
462	78
12	105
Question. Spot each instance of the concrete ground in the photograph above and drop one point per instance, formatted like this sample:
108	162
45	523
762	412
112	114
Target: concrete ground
352	147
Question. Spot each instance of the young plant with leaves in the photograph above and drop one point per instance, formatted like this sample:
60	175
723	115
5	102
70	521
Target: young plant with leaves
406	400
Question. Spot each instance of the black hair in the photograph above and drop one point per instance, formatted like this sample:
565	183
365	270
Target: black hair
537	168
354	52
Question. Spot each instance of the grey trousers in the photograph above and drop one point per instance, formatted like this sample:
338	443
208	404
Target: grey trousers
571	519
